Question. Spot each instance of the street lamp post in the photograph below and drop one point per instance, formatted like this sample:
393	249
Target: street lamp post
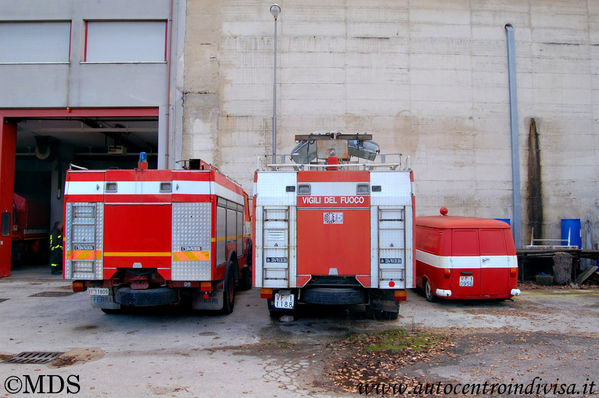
275	10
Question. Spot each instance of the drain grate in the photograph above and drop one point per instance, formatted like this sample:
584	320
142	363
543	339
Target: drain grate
51	294
34	357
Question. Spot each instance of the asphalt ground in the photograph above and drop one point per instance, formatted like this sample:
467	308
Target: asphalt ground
540	337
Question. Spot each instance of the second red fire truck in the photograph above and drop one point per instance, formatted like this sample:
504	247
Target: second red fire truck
30	230
156	237
331	230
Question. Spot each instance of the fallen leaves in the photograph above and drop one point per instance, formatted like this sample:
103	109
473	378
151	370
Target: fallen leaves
377	357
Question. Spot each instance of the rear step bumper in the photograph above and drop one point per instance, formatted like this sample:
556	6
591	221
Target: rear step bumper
334	295
147	297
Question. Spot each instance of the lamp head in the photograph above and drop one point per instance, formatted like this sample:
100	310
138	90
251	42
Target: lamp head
275	10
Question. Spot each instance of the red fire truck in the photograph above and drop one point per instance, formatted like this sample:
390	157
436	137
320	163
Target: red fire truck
156	237
465	258
30	230
332	230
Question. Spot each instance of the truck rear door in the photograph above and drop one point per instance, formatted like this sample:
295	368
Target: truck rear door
333	219
138	220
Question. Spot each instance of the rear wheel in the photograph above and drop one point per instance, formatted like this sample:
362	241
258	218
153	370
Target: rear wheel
245	282
229	291
428	291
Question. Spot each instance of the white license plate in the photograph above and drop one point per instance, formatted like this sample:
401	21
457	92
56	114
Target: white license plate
467	281
98	291
284	301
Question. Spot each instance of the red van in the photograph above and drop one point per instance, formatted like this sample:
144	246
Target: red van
465	258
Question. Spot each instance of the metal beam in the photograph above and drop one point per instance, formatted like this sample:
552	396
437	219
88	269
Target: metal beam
100	130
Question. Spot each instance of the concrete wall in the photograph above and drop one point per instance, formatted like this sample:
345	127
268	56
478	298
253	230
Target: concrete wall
79	84
427	77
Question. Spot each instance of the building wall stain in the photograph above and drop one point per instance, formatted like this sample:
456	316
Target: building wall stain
534	196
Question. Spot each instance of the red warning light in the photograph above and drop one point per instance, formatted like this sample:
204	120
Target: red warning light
443	211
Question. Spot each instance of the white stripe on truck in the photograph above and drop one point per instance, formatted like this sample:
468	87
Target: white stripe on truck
182	187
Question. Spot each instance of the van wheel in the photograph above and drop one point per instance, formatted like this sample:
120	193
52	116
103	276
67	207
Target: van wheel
428	292
229	291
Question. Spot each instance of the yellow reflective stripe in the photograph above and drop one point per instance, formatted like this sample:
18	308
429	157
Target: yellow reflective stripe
89	255
194	255
83	255
229	238
137	254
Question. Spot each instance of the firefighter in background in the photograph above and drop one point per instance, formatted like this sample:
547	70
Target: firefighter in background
56	249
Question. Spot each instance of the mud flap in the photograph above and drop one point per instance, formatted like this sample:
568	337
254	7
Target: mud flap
382	300
214	303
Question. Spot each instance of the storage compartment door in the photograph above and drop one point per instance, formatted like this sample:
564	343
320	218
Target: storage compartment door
333	241
137	235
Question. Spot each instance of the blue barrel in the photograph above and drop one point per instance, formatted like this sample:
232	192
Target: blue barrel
571	226
505	220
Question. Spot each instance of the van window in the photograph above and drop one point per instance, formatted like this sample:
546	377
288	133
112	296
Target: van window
465	242
492	242
429	239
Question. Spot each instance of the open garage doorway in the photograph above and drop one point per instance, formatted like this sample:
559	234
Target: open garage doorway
44	148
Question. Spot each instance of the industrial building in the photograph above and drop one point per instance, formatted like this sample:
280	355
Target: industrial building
430	80
92	83
87	83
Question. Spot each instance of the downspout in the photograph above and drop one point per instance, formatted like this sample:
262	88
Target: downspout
168	86
516	205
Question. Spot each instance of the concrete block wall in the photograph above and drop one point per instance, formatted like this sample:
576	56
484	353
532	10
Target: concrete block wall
427	77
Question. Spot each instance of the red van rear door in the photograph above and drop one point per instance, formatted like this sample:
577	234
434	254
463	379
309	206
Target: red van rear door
495	266
465	263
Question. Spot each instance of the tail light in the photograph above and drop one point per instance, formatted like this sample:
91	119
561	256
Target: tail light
400	295
206	286
447	272
266	293
78	286
513	272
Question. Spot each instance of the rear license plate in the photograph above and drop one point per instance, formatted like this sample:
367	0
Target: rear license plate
332	218
467	281
98	291
284	301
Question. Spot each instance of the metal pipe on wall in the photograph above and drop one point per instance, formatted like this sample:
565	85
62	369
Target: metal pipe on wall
516	200
275	10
